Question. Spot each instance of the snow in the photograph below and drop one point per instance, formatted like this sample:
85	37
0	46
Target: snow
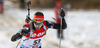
82	31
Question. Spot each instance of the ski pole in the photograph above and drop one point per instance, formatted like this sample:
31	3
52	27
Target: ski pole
18	43
60	30
28	16
29	3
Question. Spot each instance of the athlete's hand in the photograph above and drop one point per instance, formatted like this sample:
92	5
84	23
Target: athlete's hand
62	13
24	31
27	20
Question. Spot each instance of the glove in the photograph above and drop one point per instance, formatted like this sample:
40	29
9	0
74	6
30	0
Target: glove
24	31
27	20
62	13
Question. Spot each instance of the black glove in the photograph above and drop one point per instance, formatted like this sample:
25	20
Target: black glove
24	31
27	20
62	13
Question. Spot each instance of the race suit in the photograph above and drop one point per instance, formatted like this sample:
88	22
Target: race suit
36	39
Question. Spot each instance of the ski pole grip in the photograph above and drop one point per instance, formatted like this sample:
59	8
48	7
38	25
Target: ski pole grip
29	3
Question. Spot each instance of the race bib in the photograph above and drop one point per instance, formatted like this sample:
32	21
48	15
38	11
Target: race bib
33	42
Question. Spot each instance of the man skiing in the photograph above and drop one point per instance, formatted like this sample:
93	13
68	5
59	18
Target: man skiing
34	31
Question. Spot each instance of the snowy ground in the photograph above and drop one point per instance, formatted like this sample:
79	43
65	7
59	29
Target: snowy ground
82	32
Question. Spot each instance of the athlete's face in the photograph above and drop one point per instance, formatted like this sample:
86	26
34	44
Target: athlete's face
37	26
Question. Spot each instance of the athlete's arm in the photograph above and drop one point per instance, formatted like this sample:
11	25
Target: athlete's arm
19	35
54	25
57	26
16	37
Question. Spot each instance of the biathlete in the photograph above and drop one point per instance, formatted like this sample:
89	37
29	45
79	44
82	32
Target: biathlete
34	31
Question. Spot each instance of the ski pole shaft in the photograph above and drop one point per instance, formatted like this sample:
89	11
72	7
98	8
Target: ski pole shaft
28	16
60	31
28	11
18	43
29	3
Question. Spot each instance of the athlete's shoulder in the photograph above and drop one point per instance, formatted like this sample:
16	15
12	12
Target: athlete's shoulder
27	25
49	23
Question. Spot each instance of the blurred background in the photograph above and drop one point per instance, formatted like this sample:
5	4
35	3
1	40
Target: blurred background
82	17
